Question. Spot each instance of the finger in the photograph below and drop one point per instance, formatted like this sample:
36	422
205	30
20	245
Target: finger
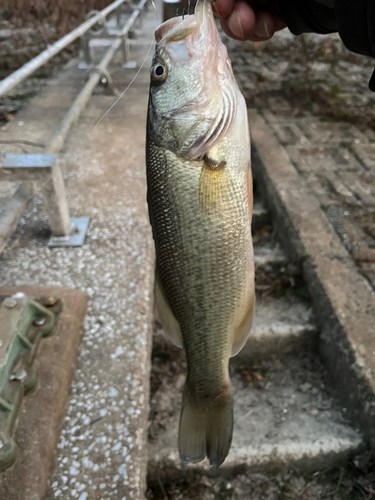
223	7
241	21
264	27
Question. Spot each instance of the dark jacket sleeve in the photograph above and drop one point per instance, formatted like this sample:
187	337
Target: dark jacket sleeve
353	19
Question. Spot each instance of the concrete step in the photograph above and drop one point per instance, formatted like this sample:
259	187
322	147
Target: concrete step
284	417
280	326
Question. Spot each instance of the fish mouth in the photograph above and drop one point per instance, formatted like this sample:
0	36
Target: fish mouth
180	27
172	31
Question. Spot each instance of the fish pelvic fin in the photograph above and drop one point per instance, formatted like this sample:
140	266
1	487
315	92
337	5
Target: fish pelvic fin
170	324
243	329
206	429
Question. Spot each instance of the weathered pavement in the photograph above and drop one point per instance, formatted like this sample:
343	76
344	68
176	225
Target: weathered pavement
102	452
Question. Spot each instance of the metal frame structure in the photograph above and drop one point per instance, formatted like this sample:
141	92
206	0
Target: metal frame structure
44	168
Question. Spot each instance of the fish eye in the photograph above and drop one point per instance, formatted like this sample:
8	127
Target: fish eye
159	72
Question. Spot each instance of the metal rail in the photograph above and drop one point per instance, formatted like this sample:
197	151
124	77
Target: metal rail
30	67
57	140
44	167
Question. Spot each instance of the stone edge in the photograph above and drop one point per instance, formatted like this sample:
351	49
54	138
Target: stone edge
343	301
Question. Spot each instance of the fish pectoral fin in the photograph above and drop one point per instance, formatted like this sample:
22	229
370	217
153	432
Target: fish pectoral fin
243	329
170	324
213	164
213	184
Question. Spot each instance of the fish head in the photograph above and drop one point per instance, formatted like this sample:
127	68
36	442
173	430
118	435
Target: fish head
192	93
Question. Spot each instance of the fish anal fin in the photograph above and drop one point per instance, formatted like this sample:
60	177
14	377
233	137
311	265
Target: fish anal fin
170	324
242	331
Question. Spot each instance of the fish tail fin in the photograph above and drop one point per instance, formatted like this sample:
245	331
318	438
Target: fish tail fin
206	430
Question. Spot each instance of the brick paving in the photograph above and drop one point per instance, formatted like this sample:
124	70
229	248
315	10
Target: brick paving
314	96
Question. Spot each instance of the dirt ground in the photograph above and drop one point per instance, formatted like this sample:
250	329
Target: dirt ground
345	482
17	47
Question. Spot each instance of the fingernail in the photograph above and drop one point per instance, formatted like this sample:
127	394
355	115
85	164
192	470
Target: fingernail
261	30
234	24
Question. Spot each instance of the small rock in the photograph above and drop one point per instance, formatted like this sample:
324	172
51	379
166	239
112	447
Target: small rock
298	482
305	387
5	34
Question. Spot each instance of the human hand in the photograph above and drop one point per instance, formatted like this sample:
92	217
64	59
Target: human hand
255	20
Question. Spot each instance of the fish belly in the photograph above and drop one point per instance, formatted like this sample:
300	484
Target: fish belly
204	258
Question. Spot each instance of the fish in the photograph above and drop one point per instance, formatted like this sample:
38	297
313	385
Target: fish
200	198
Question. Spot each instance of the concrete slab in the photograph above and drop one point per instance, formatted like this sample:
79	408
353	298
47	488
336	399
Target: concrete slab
42	412
343	300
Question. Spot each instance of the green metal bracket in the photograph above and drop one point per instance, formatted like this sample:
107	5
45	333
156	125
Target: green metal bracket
23	322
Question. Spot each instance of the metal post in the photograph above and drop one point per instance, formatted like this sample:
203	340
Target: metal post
126	53
56	204
86	50
54	195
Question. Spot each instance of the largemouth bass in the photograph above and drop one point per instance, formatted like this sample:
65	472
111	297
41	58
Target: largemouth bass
200	205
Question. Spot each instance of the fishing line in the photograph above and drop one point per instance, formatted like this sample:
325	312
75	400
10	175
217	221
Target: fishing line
131	83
